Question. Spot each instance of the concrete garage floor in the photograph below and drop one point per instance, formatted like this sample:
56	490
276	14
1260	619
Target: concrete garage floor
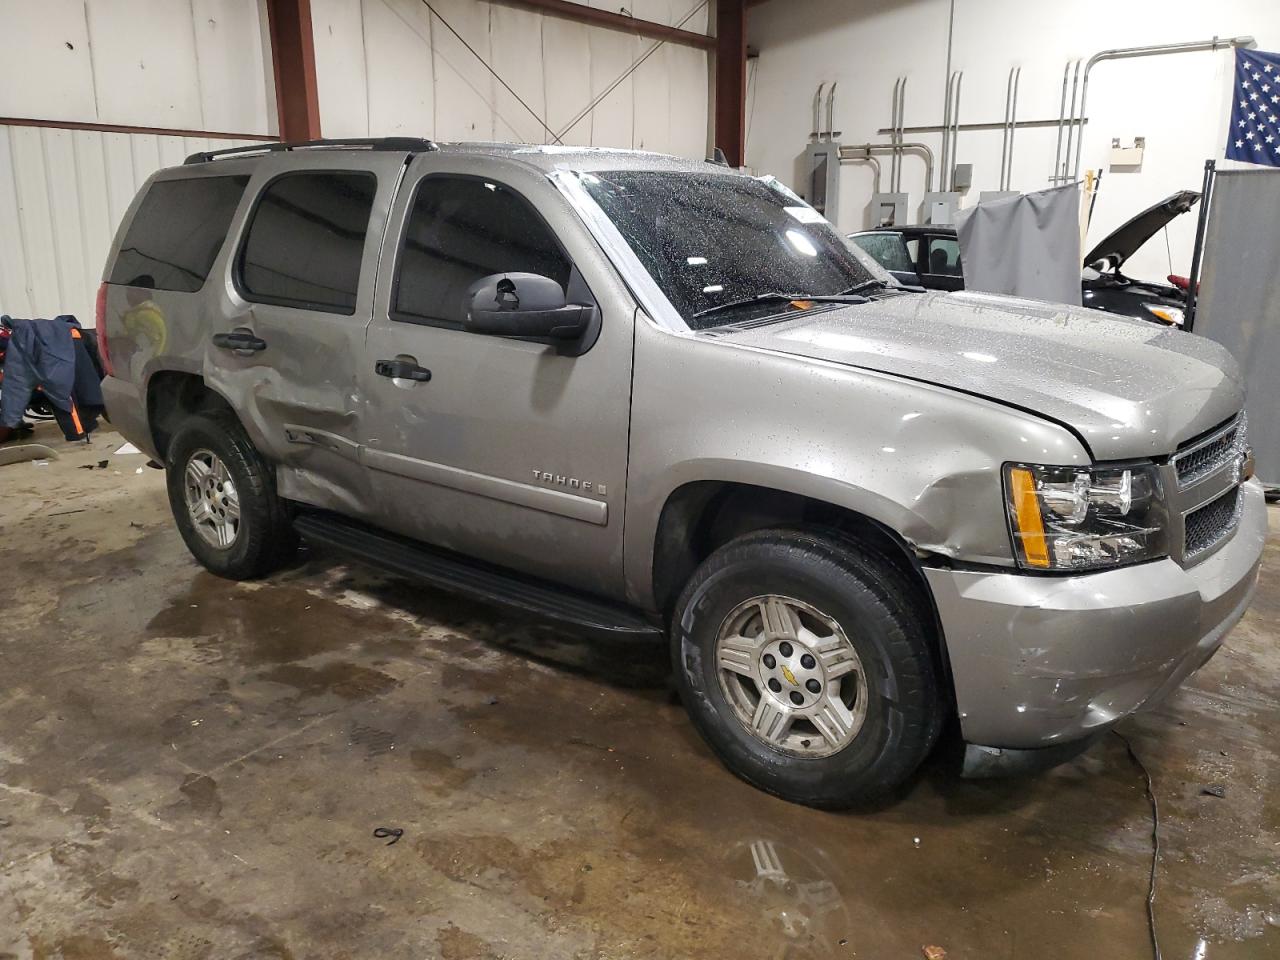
191	768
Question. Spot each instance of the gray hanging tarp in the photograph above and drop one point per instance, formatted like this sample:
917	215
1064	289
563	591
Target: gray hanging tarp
1239	298
1027	246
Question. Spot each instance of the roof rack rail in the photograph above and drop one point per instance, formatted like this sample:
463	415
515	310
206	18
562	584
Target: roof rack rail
405	144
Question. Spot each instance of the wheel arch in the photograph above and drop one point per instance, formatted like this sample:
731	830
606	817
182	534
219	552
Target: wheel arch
700	516
173	395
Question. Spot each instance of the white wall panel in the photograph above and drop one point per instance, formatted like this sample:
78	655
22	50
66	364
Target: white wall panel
464	87
566	51
652	96
156	78
388	66
612	54
341	81
196	65
48	69
62	194
517	45
401	87
233	69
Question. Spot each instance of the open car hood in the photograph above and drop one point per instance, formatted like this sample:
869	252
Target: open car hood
1119	245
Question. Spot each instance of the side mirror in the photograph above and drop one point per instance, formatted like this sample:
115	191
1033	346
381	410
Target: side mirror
524	305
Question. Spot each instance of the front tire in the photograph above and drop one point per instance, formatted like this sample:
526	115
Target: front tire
807	666
223	497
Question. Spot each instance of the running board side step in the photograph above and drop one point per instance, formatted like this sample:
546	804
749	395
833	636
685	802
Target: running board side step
473	578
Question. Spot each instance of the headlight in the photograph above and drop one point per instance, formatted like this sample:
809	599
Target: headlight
1084	518
1170	315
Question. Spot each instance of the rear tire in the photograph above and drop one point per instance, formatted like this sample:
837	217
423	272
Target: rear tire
223	497
806	664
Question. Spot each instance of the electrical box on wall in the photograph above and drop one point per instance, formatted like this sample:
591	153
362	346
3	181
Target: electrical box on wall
940	207
822	161
962	178
1127	156
888	209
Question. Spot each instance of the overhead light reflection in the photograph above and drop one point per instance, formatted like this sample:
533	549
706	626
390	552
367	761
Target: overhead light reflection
802	243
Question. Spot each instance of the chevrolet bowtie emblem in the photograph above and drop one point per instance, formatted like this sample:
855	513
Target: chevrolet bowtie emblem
791	677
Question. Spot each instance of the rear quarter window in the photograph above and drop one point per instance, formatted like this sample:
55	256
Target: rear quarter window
177	232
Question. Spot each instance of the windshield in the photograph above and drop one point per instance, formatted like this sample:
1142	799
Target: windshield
714	239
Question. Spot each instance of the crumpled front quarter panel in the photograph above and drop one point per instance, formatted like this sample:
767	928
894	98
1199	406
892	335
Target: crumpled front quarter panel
922	460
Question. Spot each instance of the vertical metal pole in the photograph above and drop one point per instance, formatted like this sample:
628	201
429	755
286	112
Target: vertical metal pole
293	60
955	129
1062	122
1197	253
731	80
1013	128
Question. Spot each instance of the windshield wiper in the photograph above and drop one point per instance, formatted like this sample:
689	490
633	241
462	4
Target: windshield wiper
864	285
849	296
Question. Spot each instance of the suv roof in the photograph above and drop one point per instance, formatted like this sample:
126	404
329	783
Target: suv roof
547	157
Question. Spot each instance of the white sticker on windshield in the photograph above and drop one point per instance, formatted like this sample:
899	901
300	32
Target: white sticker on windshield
804	214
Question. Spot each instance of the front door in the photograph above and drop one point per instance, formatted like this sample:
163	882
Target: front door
300	289
511	451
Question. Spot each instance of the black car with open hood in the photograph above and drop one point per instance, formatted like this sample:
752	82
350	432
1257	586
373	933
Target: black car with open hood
928	255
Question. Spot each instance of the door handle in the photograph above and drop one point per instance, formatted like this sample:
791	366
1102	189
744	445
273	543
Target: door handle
402	370
239	340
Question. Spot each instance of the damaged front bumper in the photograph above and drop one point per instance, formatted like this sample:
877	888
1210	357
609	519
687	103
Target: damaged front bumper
1044	661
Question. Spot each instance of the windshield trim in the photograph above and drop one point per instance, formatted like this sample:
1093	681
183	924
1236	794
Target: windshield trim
644	289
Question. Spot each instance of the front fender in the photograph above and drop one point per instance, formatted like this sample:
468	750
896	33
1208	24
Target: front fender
921	460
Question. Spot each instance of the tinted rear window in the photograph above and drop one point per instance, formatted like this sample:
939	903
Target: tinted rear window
177	232
306	239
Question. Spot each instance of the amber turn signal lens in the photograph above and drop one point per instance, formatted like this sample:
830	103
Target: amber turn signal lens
1026	509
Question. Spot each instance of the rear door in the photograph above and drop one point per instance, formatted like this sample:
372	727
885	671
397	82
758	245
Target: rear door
300	284
940	262
510	452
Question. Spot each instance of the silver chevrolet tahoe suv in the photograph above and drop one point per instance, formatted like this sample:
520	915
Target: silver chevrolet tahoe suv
653	397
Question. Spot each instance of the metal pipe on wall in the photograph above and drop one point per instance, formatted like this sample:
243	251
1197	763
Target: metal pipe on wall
1013	127
950	174
869	158
849	152
831	111
1124	53
1004	129
1061	175
946	133
1062	122
817	113
902	122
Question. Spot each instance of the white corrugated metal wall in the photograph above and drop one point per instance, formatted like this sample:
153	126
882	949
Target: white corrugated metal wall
383	67
62	192
390	67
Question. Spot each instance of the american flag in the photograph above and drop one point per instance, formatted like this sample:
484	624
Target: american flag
1254	136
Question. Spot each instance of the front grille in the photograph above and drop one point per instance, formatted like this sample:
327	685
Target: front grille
1209	525
1205	456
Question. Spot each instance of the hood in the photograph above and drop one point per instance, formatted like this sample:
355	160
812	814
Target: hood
1129	388
1119	245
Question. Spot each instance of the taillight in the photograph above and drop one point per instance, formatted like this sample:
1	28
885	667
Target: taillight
100	324
1182	283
